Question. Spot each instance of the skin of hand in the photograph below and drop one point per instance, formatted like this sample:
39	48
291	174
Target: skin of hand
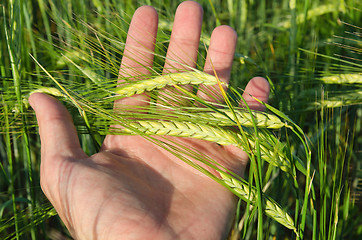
133	189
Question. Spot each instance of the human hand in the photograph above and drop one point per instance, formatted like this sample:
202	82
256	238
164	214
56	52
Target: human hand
133	189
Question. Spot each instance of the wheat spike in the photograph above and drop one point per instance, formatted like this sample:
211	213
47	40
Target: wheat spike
348	78
317	11
272	209
276	158
226	117
140	86
184	129
49	90
213	134
351	98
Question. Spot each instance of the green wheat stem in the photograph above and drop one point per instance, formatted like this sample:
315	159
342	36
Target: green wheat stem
16	67
322	172
16	79
11	168
309	186
296	185
256	167
42	8
214	12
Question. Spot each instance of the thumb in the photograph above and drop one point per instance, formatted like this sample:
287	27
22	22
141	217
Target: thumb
57	132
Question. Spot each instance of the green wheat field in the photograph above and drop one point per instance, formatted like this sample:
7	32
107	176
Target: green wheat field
306	148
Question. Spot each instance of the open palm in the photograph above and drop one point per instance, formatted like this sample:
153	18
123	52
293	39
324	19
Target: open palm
133	189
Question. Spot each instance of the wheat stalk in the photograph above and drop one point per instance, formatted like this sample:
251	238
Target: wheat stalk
142	85
247	193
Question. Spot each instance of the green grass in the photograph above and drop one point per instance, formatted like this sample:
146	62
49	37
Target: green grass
308	50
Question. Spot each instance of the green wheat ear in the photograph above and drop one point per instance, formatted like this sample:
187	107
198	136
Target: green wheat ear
184	129
183	78
47	90
209	133
226	117
247	193
347	78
